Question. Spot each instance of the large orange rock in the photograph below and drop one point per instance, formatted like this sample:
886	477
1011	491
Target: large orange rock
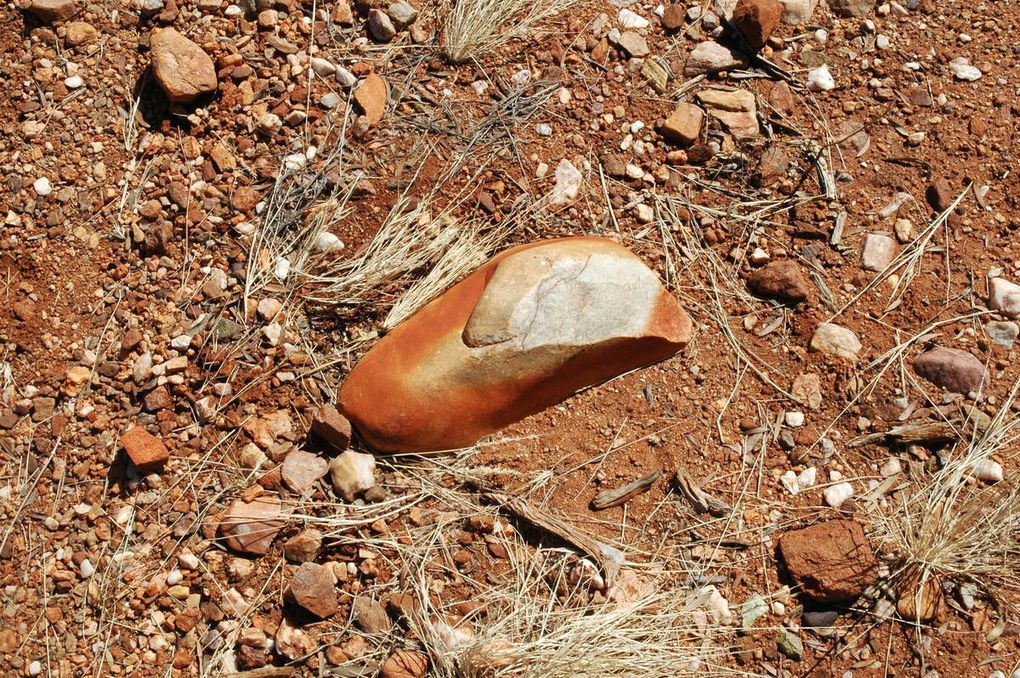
521	333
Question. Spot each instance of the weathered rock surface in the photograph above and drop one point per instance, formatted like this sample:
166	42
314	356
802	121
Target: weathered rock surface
797	11
352	473
520	334
50	11
250	527
878	252
952	369
301	469
831	562
371	96
146	451
836	340
852	8
782	280
181	68
332	428
710	57
735	109
311	589
1004	297
683	126
757	20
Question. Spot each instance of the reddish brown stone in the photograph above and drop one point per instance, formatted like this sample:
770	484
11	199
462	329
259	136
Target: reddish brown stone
311	589
831	562
332	428
757	20
476	359
405	664
145	450
782	280
952	369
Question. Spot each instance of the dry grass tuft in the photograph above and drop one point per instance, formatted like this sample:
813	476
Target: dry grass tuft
474	28
953	529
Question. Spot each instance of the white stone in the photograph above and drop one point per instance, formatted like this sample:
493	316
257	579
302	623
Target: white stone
891	467
188	560
328	242
1004	296
629	19
820	79
645	214
794	419
988	470
181	342
568	184
282	268
807	478
790	482
322	67
543	129
836	340
836	494
86	569
74	82
797	11
35	668
345	77
352	472
174	577
963	70
42	186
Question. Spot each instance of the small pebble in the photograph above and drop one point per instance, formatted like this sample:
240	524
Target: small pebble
42	186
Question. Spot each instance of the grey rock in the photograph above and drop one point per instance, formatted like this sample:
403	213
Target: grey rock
380	27
369	615
402	14
1002	332
852	8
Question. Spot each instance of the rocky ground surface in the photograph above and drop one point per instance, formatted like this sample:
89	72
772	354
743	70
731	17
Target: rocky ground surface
213	211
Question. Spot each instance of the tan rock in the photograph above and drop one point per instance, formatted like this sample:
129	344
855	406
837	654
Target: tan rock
80	33
522	333
183	70
251	526
735	109
51	11
683	126
371	96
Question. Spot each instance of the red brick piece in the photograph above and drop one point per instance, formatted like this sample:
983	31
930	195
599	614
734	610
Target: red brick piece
145	450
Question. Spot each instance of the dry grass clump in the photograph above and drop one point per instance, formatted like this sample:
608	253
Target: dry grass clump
957	530
474	28
543	622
